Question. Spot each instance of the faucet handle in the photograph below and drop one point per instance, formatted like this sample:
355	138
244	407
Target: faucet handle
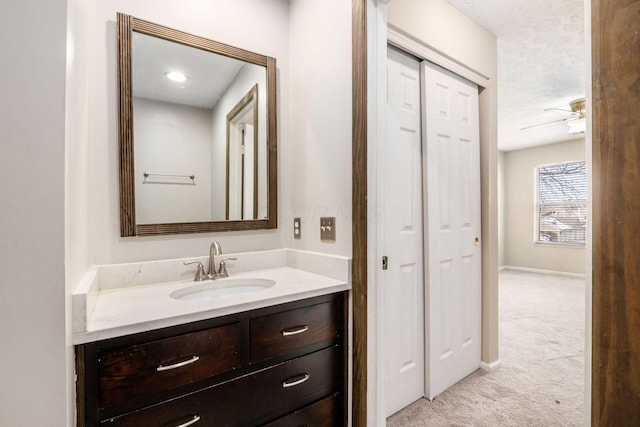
222	271
200	274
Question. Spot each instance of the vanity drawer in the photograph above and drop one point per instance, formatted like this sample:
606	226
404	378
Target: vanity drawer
164	364
324	413
281	333
249	400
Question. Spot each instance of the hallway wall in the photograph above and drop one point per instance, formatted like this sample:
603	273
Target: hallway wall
34	374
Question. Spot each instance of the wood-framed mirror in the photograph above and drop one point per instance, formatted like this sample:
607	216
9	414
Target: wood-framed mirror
198	133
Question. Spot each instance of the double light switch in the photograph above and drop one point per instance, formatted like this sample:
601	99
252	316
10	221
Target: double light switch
328	229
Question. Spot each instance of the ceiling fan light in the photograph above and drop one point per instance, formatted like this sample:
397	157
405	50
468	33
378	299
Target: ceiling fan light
577	126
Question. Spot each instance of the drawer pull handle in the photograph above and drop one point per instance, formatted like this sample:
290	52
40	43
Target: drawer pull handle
296	331
190	422
294	382
178	365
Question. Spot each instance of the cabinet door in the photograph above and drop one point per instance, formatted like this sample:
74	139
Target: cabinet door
280	333
168	363
250	400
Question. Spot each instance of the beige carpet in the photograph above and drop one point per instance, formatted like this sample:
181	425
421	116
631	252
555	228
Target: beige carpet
542	351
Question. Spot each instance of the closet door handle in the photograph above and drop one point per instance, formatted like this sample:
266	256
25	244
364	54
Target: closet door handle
177	365
291	382
191	422
295	331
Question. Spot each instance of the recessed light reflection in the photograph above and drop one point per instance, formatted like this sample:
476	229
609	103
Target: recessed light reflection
176	76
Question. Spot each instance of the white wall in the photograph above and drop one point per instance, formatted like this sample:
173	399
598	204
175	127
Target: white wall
217	20
319	159
442	26
78	156
238	88
34	375
172	139
519	171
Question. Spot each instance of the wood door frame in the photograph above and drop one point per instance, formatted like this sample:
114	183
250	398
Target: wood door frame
615	145
359	288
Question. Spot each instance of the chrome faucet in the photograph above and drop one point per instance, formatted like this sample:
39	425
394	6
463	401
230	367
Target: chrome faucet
200	274
214	250
222	271
212	274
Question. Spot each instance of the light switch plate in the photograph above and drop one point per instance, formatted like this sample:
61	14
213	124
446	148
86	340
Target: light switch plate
328	229
297	228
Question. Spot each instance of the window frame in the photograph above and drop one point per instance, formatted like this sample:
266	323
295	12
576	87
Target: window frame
537	205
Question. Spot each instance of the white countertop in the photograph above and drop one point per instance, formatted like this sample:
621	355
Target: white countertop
134	309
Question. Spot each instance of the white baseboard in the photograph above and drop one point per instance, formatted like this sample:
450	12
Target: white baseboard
491	367
502	268
540	271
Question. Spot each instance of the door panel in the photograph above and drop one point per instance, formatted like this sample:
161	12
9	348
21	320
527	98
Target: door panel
452	181
404	280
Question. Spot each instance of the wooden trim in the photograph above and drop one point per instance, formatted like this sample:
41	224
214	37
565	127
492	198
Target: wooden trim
126	26
252	95
256	126
156	30
127	185
359	263
615	369
227	174
272	143
200	227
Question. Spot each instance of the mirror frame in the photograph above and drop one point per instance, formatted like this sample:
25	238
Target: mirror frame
127	24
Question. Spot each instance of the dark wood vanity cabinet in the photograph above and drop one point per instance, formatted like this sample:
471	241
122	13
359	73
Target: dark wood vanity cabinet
283	365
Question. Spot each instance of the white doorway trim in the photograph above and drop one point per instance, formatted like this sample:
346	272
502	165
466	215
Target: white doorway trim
407	43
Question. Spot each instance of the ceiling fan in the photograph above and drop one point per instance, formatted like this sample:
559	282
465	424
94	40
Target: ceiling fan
576	122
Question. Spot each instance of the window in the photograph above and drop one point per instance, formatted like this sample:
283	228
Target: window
561	211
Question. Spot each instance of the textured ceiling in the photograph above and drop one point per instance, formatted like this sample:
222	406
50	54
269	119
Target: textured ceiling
208	74
540	64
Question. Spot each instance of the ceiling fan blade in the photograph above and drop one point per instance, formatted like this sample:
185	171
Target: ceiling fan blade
559	109
546	123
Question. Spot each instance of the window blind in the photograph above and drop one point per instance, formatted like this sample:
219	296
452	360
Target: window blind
562	203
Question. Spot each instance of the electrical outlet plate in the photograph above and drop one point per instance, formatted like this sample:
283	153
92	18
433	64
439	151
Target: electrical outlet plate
328	229
297	228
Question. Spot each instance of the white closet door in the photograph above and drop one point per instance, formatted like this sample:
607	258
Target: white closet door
452	166
404	279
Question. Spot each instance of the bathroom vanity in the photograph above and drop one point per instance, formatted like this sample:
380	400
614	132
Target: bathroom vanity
160	343
276	356
282	365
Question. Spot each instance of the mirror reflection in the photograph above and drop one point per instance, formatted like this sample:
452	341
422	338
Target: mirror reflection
198	133
200	126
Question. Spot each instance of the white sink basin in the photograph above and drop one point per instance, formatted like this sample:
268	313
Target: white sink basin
221	288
